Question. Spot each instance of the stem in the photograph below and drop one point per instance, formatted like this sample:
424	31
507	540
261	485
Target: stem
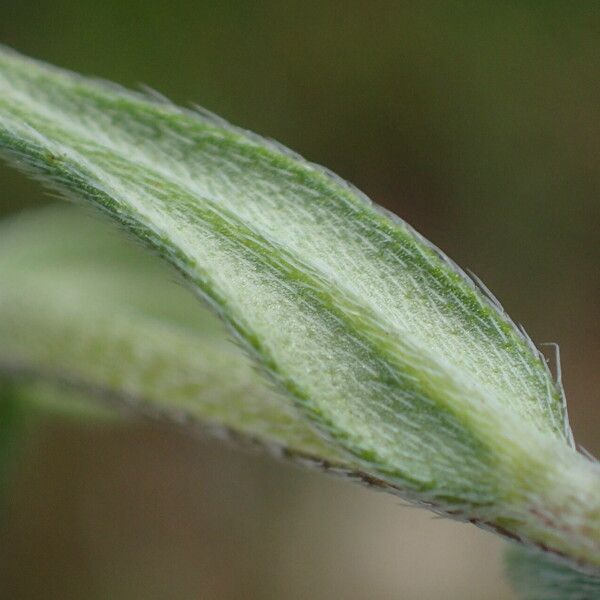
557	500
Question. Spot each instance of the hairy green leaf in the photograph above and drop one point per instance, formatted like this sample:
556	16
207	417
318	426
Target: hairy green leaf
381	342
91	313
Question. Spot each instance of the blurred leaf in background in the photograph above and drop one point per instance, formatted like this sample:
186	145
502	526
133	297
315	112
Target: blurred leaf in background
477	122
10	420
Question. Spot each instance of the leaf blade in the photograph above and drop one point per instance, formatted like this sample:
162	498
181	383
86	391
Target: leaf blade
91	314
380	340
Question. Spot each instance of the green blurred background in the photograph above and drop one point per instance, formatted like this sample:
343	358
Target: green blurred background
479	123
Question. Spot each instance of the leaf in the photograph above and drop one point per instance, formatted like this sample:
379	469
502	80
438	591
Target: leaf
89	312
380	341
538	576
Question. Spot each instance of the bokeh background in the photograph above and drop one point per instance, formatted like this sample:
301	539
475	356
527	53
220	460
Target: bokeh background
479	123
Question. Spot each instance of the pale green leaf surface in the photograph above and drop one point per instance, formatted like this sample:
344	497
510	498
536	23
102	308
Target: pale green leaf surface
394	354
90	312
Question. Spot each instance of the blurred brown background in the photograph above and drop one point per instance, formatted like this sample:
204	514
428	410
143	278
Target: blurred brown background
479	123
